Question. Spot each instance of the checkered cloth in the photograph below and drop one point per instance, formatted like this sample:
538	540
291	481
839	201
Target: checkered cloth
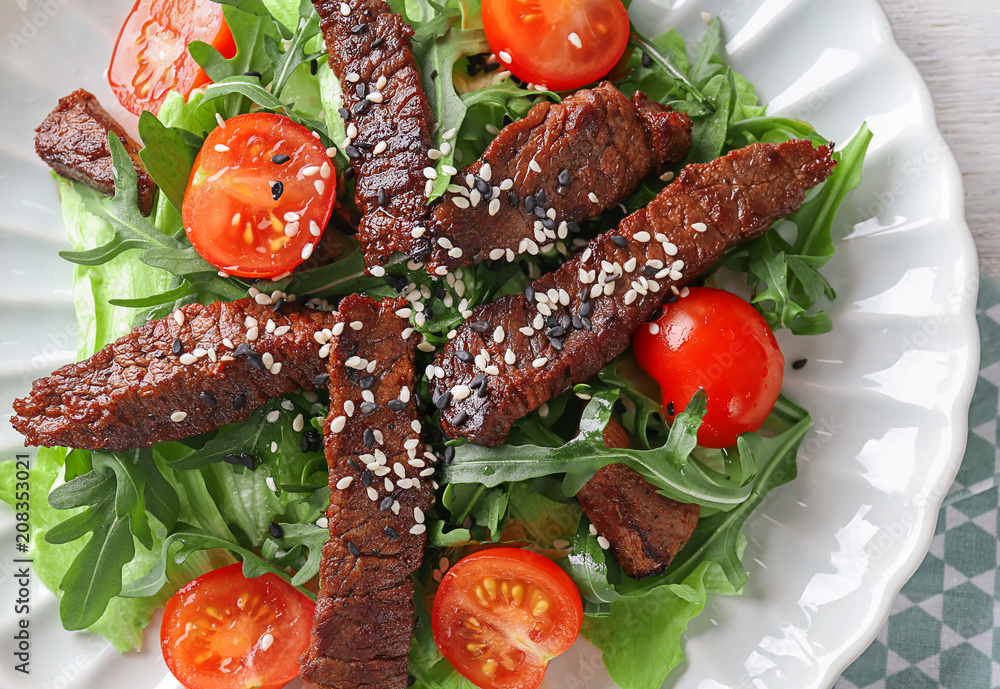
941	629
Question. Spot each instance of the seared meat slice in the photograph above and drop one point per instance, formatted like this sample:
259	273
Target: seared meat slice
576	158
369	48
645	529
582	315
379	489
73	140
195	370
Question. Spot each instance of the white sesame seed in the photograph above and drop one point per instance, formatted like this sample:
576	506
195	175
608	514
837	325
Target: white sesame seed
344	482
449	169
187	359
603	542
307	171
455	253
706	17
430	173
441	270
509	357
505	56
450	134
325	171
670	249
539	362
492	370
273	416
534	166
666	176
178	416
307	251
418	529
699	227
266	641
179	317
332	151
642	236
357	325
498	334
337	425
269	481
320	186
377	271
415	425
654	329
460	202
486	172
506	185
389	485
345	9
593	530
267	359
220	120
460	392
630	297
528	332
379	148
324	351
349	408
418	515
425	346
575	40
372	494
337	330
222	148
494	206
375	97
298	424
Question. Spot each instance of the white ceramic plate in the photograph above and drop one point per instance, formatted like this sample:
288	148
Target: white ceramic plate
889	388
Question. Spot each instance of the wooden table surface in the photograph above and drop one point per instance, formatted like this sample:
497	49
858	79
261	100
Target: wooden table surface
956	46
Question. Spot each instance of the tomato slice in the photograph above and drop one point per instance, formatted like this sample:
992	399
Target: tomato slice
151	56
561	44
713	339
501	615
224	631
260	194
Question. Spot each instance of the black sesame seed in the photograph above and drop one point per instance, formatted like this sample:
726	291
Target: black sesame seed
477	380
461	418
577	323
360	89
353	463
390	532
655	316
256	75
256	363
540	212
275	530
491	67
353	549
396	282
207	398
565	177
366	478
463	356
368	407
512	198
556	344
345	114
352	153
361	107
671	299
396	405
480	326
557	331
540	198
548	223
410	681
313	66
529	293
386	503
483	187
233	459
239	401
378	43
368	382
279	304
443	400
321	380
586	323
619	240
280	158
349	174
551	321
670	409
649	271
304	444
484	390
363	146
244	349
277	189
248	461
474	67
359	28
449	454
369	438
572	227
529	204
176	347
799	363
647	61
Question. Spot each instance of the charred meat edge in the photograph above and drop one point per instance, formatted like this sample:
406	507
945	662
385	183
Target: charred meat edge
195	370
583	315
380	486
370	52
561	164
644	529
73	141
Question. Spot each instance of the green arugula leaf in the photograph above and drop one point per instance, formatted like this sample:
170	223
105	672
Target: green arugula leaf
168	154
592	570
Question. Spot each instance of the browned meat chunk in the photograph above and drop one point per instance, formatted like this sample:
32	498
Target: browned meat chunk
197	369
583	315
561	164
645	529
73	140
380	488
370	53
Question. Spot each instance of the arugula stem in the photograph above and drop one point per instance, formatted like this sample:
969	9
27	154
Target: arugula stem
643	43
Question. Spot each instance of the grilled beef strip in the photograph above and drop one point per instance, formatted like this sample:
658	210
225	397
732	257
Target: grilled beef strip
366	45
559	165
197	369
583	315
73	140
645	529
380	487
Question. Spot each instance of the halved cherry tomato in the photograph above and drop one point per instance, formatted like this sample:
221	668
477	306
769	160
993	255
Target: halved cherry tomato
561	44
224	631
715	340
151	56
260	194
501	615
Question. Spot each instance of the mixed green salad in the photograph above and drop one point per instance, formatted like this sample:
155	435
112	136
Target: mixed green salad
120	533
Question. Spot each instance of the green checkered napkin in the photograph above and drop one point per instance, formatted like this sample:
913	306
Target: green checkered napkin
941	632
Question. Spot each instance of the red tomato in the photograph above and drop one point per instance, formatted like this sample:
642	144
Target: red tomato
562	44
224	631
151	55
713	339
260	193
501	615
